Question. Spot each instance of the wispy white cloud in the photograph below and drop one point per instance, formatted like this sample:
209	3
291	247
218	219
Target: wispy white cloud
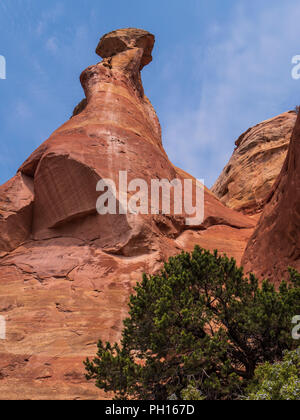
52	45
245	78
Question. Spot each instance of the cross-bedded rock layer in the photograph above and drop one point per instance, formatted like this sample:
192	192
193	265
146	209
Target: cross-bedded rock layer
66	272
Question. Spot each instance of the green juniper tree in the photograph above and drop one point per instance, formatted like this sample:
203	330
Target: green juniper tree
199	326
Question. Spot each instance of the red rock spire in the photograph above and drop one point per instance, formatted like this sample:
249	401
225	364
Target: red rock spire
66	272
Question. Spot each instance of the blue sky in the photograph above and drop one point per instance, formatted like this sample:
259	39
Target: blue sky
220	66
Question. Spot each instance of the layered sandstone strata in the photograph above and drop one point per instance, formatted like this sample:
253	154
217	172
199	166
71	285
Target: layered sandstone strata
275	244
66	272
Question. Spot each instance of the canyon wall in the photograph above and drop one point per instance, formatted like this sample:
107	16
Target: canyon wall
255	164
66	272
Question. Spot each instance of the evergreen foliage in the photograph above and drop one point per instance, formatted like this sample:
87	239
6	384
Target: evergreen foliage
198	328
277	382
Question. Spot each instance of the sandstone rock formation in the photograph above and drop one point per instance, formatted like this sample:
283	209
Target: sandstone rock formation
275	244
16	206
66	272
255	164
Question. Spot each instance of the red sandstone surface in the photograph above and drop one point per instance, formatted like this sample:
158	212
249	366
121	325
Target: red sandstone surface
255	164
66	272
275	244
